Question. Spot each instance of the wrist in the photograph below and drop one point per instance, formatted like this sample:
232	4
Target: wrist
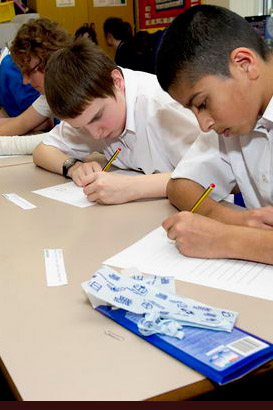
67	165
73	168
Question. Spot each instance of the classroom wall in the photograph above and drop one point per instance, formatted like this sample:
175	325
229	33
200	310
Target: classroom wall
70	17
242	7
84	12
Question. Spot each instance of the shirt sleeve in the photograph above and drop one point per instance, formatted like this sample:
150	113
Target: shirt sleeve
73	142
207	162
23	144
177	129
41	106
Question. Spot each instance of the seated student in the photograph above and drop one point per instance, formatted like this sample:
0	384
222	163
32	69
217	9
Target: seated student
105	108
213	62
15	97
119	35
34	42
88	31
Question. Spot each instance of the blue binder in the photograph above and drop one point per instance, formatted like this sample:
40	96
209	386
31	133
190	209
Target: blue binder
220	356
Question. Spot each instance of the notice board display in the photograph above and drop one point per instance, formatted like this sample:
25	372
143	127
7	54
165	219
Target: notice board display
160	13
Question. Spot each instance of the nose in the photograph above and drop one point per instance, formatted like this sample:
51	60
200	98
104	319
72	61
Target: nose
205	121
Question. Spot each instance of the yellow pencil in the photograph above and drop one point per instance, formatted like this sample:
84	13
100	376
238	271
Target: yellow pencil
202	197
111	159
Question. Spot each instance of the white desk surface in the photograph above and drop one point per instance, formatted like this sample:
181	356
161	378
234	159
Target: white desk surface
53	346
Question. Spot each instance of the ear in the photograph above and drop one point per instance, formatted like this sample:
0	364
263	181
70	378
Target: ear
245	60
109	39
118	80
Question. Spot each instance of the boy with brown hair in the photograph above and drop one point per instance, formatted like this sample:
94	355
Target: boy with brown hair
214	63
104	108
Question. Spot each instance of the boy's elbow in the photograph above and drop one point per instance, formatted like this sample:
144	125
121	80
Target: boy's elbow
172	193
36	154
177	193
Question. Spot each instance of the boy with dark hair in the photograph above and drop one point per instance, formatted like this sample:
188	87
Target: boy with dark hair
214	63
105	108
87	31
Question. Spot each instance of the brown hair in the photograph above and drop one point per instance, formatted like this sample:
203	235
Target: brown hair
76	75
38	38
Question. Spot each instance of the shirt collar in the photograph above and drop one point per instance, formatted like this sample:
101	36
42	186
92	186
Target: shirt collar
266	120
268	114
130	99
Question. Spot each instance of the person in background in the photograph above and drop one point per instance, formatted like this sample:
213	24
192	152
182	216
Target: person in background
32	46
88	31
131	51
15	97
119	35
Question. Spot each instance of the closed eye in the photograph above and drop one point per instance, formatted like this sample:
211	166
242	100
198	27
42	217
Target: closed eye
202	106
97	117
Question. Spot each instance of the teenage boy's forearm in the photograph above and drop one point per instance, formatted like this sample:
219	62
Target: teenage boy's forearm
49	158
150	186
23	123
249	244
183	194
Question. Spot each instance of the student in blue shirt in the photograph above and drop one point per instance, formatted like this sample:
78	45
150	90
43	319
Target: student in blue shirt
15	97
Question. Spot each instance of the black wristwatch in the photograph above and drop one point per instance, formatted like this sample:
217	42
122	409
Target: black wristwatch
68	163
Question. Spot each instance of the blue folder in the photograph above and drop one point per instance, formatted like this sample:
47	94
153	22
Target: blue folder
220	356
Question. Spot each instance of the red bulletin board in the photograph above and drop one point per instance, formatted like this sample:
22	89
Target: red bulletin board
160	13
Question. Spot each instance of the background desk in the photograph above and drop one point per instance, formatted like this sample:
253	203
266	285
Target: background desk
53	346
7	161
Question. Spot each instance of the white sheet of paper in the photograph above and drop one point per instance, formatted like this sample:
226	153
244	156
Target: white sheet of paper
19	201
68	193
71	194
157	255
55	269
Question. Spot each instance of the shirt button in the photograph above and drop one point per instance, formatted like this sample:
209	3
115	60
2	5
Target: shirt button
264	178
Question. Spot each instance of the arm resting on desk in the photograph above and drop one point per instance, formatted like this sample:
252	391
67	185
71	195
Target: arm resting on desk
183	193
19	145
27	121
198	236
52	159
111	188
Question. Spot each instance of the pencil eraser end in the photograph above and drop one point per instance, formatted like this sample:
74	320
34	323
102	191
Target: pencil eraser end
119	149
212	185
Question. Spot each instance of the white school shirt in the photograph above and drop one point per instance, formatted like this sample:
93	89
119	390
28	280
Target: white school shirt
41	106
246	161
157	133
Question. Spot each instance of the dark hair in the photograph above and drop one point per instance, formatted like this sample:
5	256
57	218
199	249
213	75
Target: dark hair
89	29
199	42
38	38
76	75
120	30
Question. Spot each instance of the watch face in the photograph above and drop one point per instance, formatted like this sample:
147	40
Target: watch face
69	162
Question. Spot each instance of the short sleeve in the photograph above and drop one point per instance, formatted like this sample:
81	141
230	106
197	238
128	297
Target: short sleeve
207	162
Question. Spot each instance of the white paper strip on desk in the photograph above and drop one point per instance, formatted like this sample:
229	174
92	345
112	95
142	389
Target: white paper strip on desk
157	255
68	193
19	201
55	269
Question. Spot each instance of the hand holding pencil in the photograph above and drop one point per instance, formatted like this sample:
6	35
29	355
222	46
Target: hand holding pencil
194	235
